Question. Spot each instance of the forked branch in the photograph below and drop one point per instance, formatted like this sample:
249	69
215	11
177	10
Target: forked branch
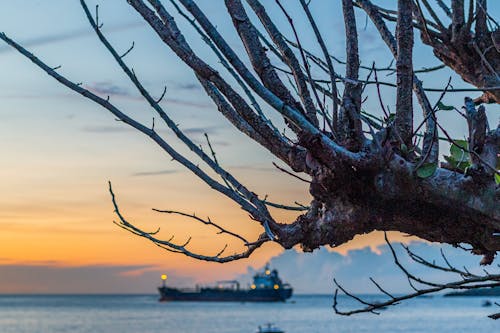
182	248
467	281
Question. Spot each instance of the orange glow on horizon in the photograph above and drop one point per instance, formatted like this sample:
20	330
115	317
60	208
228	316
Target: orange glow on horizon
67	220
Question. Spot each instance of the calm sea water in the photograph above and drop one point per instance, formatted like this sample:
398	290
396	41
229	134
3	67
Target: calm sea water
304	314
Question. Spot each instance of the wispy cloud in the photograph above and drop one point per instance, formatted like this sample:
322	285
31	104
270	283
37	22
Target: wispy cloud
177	101
178	85
186	86
197	135
57	38
154	173
90	279
214	143
36	96
107	129
108	88
210	130
254	168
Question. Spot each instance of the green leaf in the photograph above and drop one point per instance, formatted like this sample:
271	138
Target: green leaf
463	166
497	178
443	107
459	150
404	149
451	161
391	118
460	165
426	170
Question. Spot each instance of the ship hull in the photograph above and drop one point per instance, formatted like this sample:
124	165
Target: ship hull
218	295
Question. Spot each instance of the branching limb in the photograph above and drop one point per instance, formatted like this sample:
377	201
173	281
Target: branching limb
286	207
170	34
457	17
328	60
422	25
404	72
470	53
261	63
481	18
392	44
351	100
389	68
344	80
156	106
250	203
168	31
467	282
291	174
434	15
227	177
277	101
226	65
306	65
181	248
285	52
208	221
444	7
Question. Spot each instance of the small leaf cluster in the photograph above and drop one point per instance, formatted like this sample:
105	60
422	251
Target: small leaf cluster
426	170
459	158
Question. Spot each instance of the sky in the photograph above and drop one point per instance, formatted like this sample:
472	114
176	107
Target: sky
59	150
314	273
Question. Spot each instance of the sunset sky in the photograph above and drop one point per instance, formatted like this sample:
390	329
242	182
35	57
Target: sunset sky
59	150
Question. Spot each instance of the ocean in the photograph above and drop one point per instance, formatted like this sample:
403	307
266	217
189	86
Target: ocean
302	314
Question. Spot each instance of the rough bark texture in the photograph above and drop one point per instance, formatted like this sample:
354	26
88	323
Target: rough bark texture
449	208
351	130
404	66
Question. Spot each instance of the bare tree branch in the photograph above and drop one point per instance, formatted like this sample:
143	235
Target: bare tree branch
432	147
328	60
457	17
206	222
404	66
468	282
286	54
351	100
181	248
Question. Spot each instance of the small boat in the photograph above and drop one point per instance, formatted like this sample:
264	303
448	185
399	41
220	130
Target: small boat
270	328
486	303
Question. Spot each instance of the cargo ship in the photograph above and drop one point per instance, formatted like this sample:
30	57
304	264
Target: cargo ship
266	287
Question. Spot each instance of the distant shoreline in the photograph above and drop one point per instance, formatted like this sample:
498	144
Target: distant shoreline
491	292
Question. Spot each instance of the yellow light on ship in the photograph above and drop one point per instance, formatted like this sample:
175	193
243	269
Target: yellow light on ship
268	272
276	287
253	286
164	277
